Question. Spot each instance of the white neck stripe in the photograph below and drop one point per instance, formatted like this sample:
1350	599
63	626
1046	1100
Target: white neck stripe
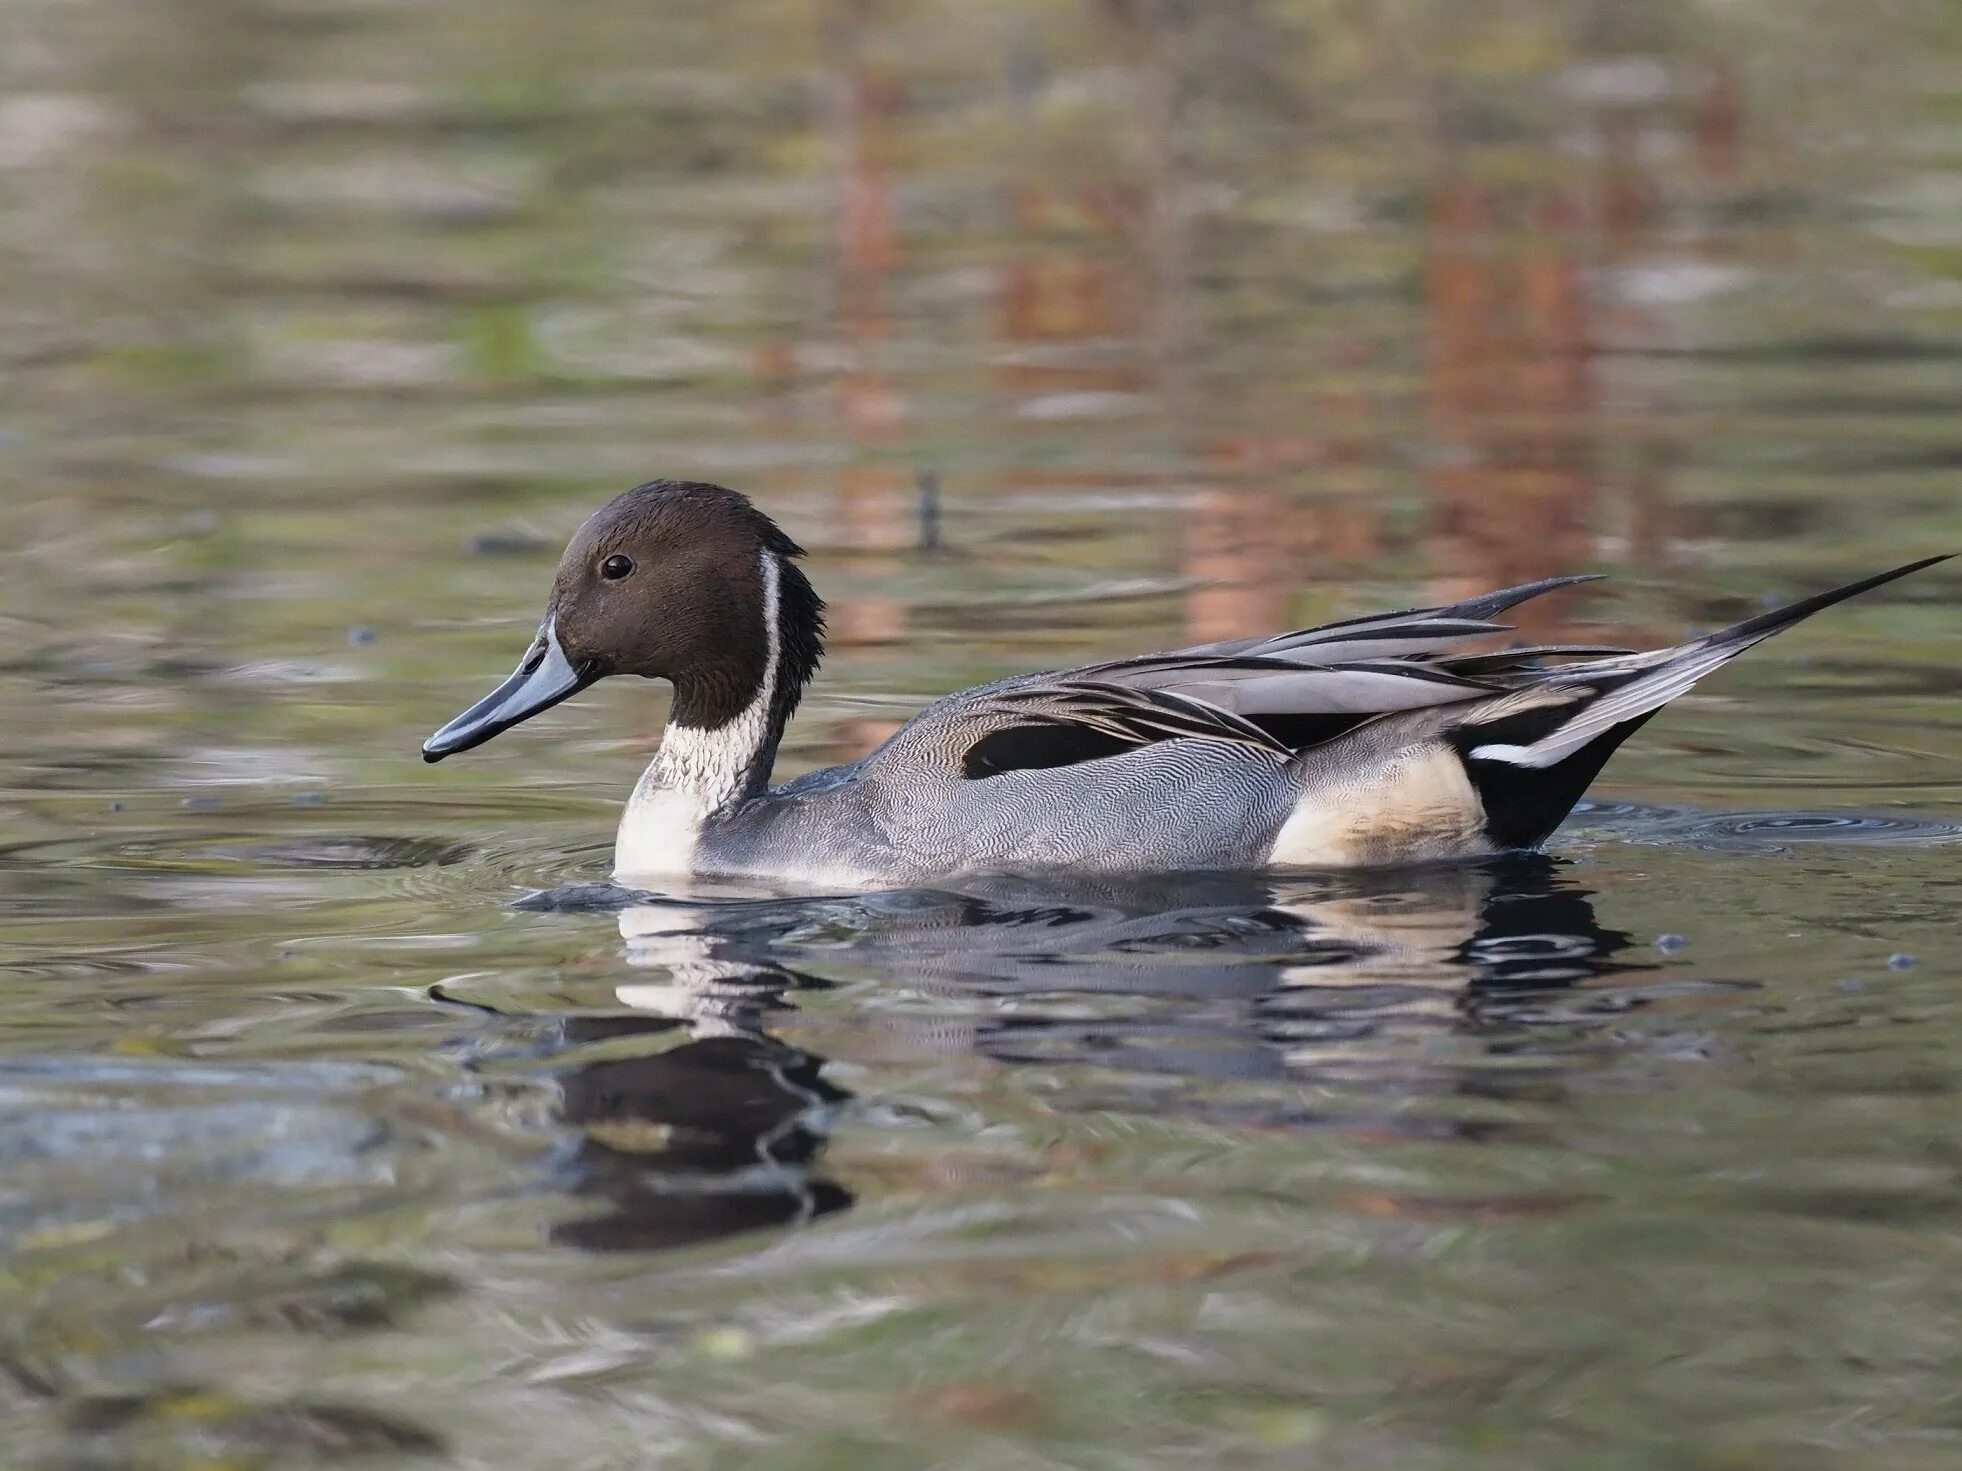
716	766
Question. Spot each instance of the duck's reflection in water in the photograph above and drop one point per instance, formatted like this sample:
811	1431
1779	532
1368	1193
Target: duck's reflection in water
688	1140
1221	983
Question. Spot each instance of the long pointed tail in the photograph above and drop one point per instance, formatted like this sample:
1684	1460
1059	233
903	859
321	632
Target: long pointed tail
1636	686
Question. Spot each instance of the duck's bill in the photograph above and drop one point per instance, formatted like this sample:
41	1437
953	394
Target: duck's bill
543	678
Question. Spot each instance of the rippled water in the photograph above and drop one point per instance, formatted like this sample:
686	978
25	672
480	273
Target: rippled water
349	1116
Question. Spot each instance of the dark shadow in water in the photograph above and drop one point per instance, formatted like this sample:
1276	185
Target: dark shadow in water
1214	981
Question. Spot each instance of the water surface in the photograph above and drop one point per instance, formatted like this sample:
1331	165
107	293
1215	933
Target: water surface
346	1119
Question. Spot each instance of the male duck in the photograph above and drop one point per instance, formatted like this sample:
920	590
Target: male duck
1372	741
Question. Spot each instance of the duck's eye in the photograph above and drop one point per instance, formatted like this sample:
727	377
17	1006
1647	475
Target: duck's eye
616	567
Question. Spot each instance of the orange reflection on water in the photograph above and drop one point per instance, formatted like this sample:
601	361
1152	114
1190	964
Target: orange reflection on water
871	506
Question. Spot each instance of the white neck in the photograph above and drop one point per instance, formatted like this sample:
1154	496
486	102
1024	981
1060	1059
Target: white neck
699	775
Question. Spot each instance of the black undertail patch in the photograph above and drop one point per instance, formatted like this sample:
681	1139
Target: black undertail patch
1524	804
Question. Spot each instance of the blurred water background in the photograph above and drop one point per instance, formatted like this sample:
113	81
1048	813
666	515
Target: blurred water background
1055	330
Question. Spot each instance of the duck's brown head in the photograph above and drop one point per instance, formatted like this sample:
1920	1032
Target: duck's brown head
673	580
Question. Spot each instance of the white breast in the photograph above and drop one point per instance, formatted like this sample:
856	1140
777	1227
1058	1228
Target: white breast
659	830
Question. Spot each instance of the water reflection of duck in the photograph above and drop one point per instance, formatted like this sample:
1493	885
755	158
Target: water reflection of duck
1518	918
1213	979
697	1123
1377	740
1241	975
709	1138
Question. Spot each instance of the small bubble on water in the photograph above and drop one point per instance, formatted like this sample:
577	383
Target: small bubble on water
360	636
309	799
1670	944
115	806
1900	960
198	804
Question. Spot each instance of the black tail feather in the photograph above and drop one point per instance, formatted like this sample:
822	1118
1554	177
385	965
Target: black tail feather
1764	625
1524	805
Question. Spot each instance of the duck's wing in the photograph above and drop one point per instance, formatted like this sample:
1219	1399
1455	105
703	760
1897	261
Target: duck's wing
1039	722
1525	730
1523	661
1262	705
1277	695
1374	665
1060	723
1314	684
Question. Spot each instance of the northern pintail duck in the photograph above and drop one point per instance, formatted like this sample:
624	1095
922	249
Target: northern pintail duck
1377	740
